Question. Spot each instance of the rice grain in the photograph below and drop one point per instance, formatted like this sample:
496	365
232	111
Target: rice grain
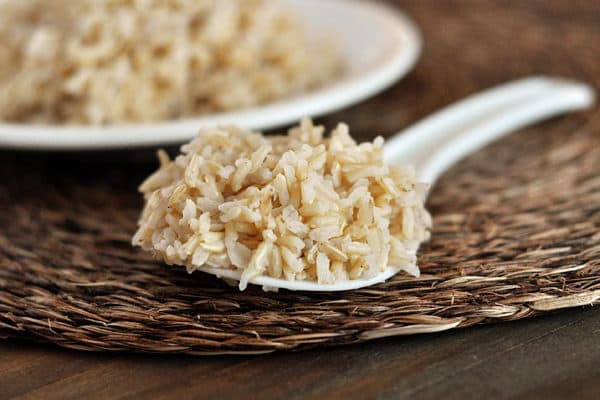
322	209
112	61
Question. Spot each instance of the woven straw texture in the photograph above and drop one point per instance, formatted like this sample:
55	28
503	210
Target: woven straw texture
517	225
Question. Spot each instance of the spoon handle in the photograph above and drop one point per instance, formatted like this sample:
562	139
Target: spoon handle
437	142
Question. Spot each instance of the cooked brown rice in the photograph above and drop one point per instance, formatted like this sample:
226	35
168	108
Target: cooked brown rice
296	207
107	61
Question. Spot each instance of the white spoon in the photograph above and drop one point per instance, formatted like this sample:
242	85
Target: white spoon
437	142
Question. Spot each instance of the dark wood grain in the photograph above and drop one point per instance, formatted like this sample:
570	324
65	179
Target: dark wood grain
555	356
541	358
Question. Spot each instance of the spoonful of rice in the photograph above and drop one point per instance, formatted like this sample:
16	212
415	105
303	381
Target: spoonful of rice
317	212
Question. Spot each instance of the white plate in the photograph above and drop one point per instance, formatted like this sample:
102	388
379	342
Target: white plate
379	43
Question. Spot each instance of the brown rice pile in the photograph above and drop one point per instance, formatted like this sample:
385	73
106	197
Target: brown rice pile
108	61
297	207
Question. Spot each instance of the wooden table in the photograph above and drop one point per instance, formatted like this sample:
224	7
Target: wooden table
469	45
548	357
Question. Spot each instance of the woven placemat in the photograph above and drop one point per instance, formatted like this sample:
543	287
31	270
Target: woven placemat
517	226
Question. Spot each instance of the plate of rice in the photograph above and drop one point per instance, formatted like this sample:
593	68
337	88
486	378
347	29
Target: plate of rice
97	74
